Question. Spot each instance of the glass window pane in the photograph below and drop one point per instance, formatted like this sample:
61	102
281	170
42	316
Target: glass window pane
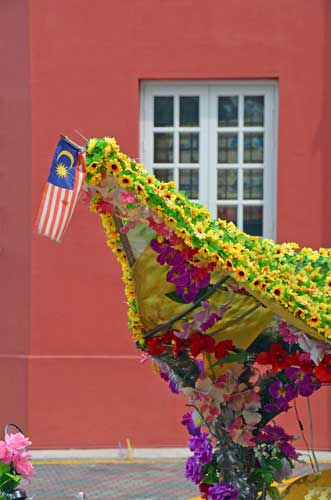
227	213
189	111
253	220
227	148
253	184
253	147
254	111
189	148
228	111
189	182
163	111
164	174
163	148
227	184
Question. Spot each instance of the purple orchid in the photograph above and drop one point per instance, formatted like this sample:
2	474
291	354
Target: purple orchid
193	470
167	254
201	448
193	429
276	434
288	450
223	491
281	394
305	383
188	293
273	433
178	276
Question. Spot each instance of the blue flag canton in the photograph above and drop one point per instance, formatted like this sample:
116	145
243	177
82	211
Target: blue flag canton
63	168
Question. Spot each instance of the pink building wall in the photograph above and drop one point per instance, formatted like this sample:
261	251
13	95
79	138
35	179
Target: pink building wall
74	377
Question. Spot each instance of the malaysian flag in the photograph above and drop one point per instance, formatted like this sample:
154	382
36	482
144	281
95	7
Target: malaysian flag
61	192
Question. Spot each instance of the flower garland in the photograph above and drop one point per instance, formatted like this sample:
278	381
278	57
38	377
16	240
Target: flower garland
219	285
297	284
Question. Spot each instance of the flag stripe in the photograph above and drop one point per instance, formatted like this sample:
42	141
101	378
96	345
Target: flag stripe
59	211
60	231
80	176
51	211
64	213
48	209
55	212
43	209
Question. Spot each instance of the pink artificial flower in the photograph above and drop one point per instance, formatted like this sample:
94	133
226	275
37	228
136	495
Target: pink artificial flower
16	442
5	455
241	433
128	197
87	196
288	336
22	464
143	357
316	349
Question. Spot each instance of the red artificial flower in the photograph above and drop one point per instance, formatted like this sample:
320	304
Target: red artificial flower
104	207
223	347
201	343
323	370
276	357
203	487
155	346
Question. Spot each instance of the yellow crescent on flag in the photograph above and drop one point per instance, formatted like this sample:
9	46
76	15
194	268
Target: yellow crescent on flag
69	155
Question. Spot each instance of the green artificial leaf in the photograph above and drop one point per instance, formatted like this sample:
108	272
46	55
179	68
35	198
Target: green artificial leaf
175	297
273	493
236	357
8	482
4	468
210	474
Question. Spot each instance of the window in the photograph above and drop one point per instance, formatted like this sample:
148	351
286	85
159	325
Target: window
218	142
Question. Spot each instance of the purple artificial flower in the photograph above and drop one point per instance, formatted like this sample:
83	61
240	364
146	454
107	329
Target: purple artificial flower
193	429
167	254
305	383
173	387
281	394
193	470
200	364
201	447
188	293
288	450
178	276
223	491
273	433
287	334
276	434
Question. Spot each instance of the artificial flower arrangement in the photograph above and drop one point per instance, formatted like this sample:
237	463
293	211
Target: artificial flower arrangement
15	464
238	324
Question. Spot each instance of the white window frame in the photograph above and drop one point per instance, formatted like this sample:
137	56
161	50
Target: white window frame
208	128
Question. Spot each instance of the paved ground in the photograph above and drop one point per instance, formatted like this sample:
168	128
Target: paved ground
113	479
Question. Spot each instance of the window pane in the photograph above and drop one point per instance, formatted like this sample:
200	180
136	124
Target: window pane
189	182
163	111
227	213
253	220
227	148
253	184
227	184
189	111
189	148
164	174
228	111
254	111
253	147
163	148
